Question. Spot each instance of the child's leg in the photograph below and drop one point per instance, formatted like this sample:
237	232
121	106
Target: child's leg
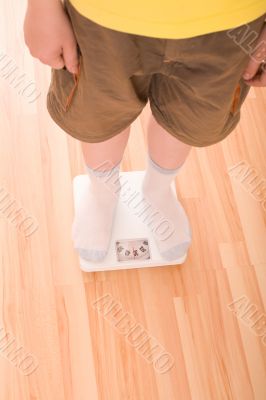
165	149
91	230
95	154
166	155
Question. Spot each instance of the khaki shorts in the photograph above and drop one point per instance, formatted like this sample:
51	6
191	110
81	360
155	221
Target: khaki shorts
194	85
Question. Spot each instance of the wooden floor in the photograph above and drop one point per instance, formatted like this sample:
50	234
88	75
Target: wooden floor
68	335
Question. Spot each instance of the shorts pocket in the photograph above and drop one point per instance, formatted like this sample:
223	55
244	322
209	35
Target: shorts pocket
64	85
239	95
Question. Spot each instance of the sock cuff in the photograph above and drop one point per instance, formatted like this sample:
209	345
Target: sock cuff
161	169
106	171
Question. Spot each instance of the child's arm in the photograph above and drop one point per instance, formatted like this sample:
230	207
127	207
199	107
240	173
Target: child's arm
49	35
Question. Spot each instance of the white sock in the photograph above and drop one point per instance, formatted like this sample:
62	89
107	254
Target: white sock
156	189
92	226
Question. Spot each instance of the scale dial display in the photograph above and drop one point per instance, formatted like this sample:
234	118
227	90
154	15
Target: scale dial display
132	249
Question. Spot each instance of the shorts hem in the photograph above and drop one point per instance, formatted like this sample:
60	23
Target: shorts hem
58	121
225	132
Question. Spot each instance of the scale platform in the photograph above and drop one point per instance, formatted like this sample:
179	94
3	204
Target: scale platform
132	244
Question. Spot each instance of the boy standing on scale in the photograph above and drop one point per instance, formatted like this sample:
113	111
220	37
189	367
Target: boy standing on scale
109	58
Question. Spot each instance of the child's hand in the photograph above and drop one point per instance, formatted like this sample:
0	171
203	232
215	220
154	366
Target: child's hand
255	72
49	35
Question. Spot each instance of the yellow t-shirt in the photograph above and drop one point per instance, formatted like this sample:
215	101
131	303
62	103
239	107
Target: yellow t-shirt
173	19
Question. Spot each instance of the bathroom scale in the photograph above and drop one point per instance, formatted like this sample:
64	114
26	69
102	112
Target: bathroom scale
132	244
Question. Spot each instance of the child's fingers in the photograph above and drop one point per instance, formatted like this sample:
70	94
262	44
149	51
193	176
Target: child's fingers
70	54
258	80
257	57
251	69
58	63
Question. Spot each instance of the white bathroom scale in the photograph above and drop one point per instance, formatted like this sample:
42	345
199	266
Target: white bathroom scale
132	244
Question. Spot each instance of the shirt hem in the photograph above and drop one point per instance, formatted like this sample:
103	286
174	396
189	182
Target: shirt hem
171	30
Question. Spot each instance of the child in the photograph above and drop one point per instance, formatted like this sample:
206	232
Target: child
109	58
